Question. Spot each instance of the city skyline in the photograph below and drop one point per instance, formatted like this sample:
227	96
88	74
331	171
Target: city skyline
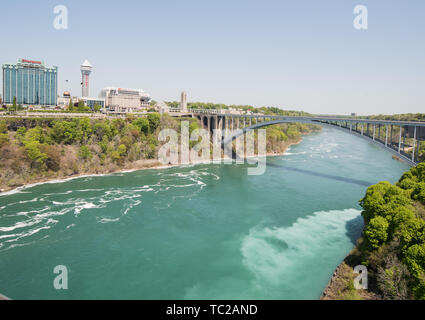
303	56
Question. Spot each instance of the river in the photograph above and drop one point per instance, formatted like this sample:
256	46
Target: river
194	232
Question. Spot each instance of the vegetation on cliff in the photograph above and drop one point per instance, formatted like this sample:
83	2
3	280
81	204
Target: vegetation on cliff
394	235
37	149
34	149
393	242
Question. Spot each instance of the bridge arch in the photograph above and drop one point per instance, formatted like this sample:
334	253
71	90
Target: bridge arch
237	133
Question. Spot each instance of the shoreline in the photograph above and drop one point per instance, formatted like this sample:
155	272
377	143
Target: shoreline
341	284
142	164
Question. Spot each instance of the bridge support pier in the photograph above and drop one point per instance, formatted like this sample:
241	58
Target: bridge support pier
399	140
386	136
414	145
404	139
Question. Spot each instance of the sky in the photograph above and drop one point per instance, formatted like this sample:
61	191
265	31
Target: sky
299	55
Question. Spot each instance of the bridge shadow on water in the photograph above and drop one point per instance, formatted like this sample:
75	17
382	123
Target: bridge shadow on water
323	175
354	227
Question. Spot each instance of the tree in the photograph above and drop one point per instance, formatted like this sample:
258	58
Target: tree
143	125
419	192
70	105
122	150
53	160
154	120
34	154
85	128
84	153
415	259
14	107
97	107
127	141
115	155
376	232
65	132
102	129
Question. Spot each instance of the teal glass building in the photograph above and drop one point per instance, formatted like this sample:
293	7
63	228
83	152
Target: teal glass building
31	82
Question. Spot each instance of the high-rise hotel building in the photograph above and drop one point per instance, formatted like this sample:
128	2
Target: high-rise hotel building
31	82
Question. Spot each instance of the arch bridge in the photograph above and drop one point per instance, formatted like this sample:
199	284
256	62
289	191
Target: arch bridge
402	138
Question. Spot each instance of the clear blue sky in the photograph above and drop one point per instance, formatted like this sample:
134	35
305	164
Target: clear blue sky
302	55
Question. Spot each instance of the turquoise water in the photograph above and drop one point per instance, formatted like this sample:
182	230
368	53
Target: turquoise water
194	232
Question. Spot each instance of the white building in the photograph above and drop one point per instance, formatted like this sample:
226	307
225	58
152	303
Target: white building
124	99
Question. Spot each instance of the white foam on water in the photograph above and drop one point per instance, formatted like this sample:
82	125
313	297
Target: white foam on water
278	255
284	261
84	205
20	225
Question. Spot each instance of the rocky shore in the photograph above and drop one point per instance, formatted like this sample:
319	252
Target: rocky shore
341	284
142	164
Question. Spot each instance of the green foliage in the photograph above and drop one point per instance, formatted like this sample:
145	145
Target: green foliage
419	289
193	125
390	216
134	152
102	129
126	141
65	132
35	134
81	105
393	279
97	107
293	132
276	133
415	259
419	192
20	133
68	132
4	139
104	144
34	153
142	124
122	150
154	120
85	129
383	199
117	125
3	126
84	153
115	155
376	232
